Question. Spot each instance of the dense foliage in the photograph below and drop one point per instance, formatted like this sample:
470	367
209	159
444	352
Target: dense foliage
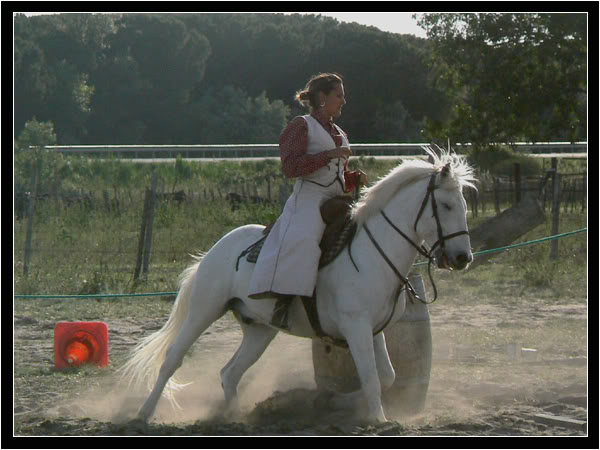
511	75
231	78
210	78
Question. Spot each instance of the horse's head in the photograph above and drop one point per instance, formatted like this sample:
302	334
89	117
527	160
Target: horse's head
433	190
442	218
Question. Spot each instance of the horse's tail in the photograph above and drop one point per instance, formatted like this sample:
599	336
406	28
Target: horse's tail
147	357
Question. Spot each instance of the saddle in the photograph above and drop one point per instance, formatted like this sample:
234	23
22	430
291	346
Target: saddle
340	229
339	232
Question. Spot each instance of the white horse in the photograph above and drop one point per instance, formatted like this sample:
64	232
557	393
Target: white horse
417	202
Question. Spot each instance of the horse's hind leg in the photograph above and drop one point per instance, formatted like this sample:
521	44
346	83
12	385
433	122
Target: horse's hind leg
256	339
193	326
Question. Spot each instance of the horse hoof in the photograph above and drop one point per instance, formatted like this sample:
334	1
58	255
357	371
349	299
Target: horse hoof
142	416
140	419
138	424
232	410
376	419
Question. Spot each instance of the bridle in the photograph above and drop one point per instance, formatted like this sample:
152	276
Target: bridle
421	249
404	282
441	238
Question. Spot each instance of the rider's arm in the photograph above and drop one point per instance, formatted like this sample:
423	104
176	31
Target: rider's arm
293	143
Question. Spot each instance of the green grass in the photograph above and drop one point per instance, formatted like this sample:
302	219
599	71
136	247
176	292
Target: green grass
90	251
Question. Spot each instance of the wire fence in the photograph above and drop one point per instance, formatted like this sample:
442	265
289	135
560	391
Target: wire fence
155	294
106	235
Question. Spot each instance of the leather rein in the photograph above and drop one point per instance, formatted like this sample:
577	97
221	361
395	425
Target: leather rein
310	304
421	249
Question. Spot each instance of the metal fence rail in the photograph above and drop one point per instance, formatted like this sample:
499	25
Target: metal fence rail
272	150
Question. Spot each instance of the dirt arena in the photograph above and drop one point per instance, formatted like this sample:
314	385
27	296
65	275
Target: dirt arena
477	388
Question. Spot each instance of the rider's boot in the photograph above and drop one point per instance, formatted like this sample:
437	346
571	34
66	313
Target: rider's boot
280	312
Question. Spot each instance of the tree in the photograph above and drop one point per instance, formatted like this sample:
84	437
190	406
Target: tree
168	60
32	81
510	77
54	56
35	134
31	153
229	115
145	78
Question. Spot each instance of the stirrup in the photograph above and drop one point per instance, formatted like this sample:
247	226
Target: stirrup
280	312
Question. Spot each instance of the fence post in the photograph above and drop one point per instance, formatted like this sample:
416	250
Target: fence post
482	195
583	193
496	196
145	240
149	221
517	170
556	188
140	252
30	214
473	197
572	192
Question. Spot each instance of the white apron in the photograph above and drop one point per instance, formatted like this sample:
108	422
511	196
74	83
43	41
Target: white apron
288	262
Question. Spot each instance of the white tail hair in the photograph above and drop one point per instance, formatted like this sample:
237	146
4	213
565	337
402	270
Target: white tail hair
146	358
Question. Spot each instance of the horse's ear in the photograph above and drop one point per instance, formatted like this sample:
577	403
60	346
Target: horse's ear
446	170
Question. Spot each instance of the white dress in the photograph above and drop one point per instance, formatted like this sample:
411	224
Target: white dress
288	262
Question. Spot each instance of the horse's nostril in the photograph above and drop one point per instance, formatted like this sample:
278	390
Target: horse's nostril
463	258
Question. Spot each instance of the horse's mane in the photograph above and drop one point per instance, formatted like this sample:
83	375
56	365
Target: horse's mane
374	198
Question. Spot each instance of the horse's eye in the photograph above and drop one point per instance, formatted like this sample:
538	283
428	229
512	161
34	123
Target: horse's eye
447	206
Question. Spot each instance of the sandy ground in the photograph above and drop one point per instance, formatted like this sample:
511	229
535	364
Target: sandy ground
468	395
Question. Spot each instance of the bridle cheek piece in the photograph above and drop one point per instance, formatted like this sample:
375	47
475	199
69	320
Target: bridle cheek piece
441	238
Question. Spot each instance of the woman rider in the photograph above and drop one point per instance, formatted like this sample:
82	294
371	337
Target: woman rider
315	151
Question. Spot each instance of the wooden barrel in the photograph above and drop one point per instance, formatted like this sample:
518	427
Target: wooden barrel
409	346
334	368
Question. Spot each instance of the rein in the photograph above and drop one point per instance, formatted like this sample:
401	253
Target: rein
422	249
310	303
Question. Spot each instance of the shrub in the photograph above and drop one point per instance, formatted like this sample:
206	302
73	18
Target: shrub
500	160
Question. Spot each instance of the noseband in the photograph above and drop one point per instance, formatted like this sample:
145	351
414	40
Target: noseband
422	249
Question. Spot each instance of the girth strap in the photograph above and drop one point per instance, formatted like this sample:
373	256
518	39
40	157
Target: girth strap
310	306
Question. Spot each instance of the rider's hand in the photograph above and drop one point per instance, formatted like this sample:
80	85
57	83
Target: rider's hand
339	152
363	177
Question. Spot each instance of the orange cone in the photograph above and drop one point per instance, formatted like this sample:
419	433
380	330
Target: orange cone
77	343
77	353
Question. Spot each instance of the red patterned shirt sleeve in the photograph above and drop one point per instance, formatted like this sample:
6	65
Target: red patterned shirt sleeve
293	143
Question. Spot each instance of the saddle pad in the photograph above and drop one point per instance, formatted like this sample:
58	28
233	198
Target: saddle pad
329	250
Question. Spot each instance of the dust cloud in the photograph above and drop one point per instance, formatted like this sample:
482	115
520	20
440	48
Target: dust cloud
285	365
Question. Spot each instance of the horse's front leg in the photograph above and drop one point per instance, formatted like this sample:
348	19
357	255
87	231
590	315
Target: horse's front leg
359	335
386	372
